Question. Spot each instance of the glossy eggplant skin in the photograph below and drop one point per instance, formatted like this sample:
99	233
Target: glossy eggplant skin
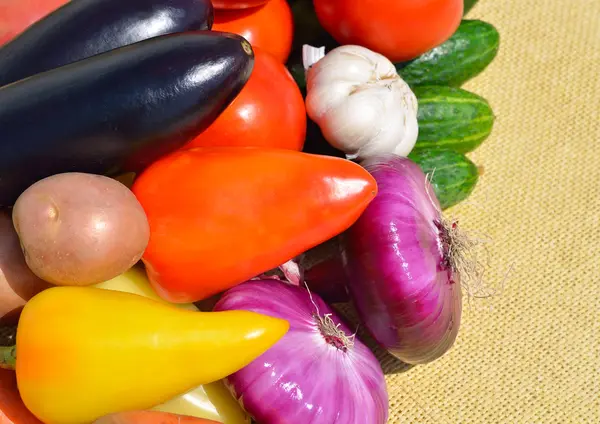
118	111
84	28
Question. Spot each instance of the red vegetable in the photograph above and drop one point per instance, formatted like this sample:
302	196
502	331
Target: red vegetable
268	112
398	29
269	26
220	216
12	408
237	4
16	15
400	259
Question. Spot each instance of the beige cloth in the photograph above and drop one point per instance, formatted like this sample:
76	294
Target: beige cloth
530	354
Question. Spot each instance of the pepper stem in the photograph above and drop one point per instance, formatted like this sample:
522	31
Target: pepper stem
8	357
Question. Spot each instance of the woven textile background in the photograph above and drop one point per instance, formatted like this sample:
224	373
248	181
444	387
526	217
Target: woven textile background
530	354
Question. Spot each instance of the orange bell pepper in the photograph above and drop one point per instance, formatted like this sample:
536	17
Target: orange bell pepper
83	353
220	216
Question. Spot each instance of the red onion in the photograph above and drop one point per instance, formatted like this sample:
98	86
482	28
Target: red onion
401	264
317	373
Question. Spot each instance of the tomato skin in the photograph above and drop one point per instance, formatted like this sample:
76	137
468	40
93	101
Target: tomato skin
399	29
269	27
220	216
268	112
12	408
16	15
237	4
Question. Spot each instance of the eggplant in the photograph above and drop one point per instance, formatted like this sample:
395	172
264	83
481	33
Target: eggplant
118	111
84	28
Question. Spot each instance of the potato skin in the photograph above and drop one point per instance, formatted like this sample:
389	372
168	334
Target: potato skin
80	229
18	283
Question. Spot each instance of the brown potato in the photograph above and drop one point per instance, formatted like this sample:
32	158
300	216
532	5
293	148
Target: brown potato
80	229
18	283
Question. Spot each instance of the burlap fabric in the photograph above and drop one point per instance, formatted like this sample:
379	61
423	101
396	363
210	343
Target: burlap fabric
531	353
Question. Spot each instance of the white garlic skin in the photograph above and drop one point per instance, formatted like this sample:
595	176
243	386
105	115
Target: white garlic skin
361	104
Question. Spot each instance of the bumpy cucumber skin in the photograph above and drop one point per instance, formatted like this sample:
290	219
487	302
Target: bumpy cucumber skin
466	54
453	175
452	118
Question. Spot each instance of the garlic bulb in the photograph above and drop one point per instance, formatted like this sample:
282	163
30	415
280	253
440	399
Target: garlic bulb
360	102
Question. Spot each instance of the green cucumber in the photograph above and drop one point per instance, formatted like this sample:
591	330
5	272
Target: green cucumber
452	118
466	54
452	175
468	6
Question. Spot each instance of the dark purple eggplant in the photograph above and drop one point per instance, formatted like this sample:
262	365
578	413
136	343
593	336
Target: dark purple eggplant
118	111
84	28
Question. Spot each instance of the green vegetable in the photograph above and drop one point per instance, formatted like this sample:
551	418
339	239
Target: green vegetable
468	6
452	118
453	175
466	54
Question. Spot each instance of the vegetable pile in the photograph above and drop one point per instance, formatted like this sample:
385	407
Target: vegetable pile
166	166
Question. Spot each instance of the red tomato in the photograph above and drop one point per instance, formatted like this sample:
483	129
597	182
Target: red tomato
270	27
399	29
268	112
12	408
17	15
222	215
237	4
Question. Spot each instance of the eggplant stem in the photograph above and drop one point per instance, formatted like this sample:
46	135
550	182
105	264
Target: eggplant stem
8	357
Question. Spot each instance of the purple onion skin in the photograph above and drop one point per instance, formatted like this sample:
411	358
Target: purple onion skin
396	265
303	378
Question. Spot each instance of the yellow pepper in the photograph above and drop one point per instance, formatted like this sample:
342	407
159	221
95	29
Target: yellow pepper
83	353
211	401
